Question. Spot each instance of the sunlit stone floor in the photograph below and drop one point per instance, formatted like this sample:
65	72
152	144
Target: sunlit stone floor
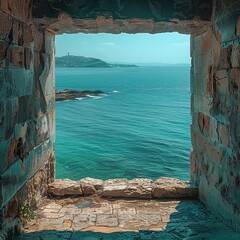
95	218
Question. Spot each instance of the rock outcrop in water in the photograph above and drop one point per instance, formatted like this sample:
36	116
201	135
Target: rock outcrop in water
68	94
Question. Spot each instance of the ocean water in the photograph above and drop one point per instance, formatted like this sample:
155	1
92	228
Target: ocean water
140	129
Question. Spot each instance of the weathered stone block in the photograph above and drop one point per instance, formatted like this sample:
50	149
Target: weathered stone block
235	56
37	60
200	103
5	25
18	173
214	175
208	125
11	115
3	50
2	83
37	38
206	43
215	153
210	84
142	186
27	36
234	76
42	128
11	87
97	183
205	54
50	102
173	188
16	36
227	21
224	134
87	189
28	103
198	140
115	188
212	129
122	188
47	76
21	10
20	130
3	150
201	64
37	187
65	187
19	82
193	165
238	27
17	56
11	153
49	42
106	220
32	193
222	85
52	123
203	121
2	120
50	168
12	208
198	81
224	62
28	58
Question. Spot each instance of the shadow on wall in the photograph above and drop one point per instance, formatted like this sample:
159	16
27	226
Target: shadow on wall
191	222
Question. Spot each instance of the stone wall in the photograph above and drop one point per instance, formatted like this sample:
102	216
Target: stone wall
27	100
215	82
27	107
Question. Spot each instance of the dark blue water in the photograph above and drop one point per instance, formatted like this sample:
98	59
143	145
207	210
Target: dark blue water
139	130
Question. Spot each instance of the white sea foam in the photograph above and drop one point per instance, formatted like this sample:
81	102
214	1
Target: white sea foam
113	91
97	97
94	97
79	98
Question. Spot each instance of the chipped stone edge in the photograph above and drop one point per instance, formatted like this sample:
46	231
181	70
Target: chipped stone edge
138	188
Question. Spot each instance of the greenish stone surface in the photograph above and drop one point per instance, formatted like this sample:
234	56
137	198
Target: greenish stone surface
162	10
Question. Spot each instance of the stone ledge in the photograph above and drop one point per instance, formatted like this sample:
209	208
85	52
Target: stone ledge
138	188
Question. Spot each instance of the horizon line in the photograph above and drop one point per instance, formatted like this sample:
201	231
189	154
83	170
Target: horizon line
120	62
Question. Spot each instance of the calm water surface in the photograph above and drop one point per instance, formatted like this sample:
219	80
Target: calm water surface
141	129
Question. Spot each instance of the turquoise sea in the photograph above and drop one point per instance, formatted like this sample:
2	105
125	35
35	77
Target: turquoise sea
141	129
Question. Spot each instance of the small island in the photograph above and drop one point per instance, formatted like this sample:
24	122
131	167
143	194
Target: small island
68	94
85	62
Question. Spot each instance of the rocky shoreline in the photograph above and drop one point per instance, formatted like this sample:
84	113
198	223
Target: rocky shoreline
68	94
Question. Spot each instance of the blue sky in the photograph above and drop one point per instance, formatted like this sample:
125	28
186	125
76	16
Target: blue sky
168	48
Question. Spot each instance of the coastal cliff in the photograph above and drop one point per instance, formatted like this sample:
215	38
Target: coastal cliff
85	62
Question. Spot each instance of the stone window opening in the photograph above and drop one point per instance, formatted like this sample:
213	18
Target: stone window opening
79	160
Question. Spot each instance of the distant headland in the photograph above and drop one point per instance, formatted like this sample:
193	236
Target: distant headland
85	62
